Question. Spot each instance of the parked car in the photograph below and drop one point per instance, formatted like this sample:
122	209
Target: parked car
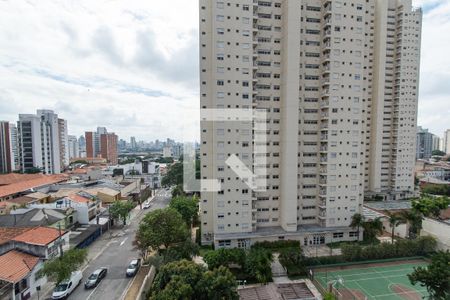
133	267
146	205
95	278
66	287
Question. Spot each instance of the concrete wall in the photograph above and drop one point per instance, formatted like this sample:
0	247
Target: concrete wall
438	230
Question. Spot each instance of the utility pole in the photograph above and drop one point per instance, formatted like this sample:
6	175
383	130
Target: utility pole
60	241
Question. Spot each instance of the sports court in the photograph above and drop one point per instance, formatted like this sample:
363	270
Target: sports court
386	280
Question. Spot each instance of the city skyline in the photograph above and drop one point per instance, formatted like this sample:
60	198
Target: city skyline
154	67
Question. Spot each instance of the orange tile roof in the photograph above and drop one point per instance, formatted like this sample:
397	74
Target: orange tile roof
27	184
15	177
78	198
38	236
8	233
15	265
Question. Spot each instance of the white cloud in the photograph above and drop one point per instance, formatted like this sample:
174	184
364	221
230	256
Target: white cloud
133	65
127	65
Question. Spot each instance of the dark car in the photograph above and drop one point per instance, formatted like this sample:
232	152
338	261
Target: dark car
95	278
133	267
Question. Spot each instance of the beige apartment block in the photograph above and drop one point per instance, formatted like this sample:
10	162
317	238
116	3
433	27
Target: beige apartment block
339	83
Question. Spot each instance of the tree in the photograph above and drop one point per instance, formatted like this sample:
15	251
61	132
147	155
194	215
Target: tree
187	280
414	220
186	206
161	227
394	221
357	221
219	284
224	257
174	175
372	228
435	277
59	269
258	264
178	191
121	210
436	189
431	206
184	250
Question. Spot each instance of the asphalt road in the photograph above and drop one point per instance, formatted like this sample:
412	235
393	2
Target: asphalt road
116	257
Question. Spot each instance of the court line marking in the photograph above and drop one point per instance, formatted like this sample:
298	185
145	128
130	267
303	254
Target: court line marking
363	289
365	273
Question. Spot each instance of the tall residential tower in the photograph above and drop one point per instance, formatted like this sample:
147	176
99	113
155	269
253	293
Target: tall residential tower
339	83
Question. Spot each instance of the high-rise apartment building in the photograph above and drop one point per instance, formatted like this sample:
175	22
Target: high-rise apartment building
103	144
5	148
15	162
39	142
108	146
74	149
426	143
63	142
446	142
339	83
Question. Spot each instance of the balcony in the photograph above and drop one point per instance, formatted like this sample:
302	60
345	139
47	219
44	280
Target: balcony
324	104
323	171
323	148
324	126
323	159
324	137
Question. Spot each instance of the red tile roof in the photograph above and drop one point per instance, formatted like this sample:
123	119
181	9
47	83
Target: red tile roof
38	236
8	233
15	265
78	198
27	184
15	177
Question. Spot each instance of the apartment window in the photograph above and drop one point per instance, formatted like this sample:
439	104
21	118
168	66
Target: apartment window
220	5
338	235
220	44
246	20
220	18
220	31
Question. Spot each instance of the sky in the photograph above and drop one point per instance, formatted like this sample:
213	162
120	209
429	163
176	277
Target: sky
132	65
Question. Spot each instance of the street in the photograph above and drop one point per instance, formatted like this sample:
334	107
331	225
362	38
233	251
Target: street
116	256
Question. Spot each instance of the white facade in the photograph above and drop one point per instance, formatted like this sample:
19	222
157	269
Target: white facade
39	142
446	142
338	80
167	152
73	147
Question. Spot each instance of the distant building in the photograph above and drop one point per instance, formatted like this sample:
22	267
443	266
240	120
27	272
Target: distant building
108	146
436	143
167	152
5	148
15	165
63	143
446	142
40	141
426	141
133	143
103	144
73	147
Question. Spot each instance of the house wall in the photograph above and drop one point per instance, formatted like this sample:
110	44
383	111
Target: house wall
439	230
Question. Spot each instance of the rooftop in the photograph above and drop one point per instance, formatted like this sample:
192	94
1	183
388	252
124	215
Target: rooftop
40	236
15	265
388	205
277	291
29	184
32	217
8	233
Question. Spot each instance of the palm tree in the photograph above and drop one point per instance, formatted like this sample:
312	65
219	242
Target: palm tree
394	221
372	228
357	221
414	219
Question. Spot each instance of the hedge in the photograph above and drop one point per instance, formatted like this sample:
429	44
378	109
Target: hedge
276	245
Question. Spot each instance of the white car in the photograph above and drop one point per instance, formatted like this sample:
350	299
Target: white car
146	205
66	287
